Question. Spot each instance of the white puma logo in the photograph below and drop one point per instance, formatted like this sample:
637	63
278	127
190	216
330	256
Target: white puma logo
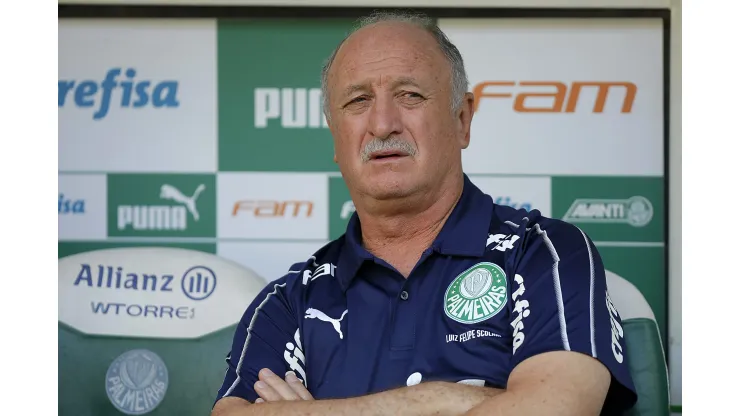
312	313
170	192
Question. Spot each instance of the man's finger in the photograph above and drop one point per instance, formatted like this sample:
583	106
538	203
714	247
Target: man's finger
297	385
278	385
266	392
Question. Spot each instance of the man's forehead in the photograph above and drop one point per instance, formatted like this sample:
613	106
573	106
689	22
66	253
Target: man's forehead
409	52
386	68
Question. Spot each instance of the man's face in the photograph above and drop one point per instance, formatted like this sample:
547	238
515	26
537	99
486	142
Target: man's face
390	112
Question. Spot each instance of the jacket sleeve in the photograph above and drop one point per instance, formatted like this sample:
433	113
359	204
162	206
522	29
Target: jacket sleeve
560	302
267	336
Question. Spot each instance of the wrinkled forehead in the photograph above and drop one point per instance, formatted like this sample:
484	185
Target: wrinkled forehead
386	51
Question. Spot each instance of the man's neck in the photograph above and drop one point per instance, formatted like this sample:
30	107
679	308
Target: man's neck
399	234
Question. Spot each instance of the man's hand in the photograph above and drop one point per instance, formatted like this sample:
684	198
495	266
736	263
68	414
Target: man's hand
272	388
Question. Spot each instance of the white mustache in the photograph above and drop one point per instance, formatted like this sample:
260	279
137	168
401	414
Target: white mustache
393	144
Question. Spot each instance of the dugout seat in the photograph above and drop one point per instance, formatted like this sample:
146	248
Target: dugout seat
645	354
117	356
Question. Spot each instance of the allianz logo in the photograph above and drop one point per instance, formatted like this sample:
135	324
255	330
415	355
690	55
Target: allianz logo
289	108
162	217
70	205
118	88
197	283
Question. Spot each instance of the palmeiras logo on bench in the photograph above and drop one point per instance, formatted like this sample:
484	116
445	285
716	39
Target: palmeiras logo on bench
136	381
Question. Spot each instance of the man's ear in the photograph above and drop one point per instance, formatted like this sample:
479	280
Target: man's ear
465	119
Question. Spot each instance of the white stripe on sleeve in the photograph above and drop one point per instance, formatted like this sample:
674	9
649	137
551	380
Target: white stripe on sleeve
249	335
556	285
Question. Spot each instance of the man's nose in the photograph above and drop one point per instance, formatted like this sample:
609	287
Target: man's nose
385	118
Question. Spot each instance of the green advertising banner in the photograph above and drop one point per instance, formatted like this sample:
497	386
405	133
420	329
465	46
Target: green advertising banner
269	94
161	205
630	209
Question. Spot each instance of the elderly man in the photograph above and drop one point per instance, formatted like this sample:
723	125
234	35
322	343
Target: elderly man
435	300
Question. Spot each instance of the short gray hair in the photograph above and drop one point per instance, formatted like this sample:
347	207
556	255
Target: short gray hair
459	77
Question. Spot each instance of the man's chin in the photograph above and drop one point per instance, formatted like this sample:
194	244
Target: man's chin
389	187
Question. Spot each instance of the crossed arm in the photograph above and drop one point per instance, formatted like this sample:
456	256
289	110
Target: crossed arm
553	383
555	372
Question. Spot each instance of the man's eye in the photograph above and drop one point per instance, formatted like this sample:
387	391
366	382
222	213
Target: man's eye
357	100
412	95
